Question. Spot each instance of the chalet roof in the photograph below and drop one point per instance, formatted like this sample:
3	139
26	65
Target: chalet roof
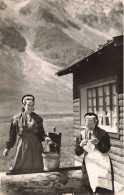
116	41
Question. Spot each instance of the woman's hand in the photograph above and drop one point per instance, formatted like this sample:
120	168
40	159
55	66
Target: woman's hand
83	143
5	152
47	139
94	141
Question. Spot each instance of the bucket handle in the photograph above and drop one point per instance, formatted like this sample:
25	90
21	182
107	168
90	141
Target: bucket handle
56	145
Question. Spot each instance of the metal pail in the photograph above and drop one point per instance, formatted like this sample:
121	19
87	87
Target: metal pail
51	161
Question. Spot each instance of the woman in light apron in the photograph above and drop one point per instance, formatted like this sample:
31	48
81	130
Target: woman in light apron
95	143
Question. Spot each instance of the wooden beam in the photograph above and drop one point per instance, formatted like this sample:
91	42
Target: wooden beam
121	96
76	100
117	164
76	104
117	158
121	126
117	151
121	115
76	114
121	103
116	143
62	181
121	132
122	109
121	121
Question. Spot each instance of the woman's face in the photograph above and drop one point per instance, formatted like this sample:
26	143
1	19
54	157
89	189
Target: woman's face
90	122
29	106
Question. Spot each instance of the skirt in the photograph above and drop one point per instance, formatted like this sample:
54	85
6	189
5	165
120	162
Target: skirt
28	158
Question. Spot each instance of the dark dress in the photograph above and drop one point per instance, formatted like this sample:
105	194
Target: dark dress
29	135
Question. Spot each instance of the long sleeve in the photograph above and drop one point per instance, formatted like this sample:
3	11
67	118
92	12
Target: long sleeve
78	150
104	144
41	132
12	136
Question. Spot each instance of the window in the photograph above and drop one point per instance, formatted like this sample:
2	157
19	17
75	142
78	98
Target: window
102	100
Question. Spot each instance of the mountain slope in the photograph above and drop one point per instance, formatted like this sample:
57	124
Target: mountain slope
37	38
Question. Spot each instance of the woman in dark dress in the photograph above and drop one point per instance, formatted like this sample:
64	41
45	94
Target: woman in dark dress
27	128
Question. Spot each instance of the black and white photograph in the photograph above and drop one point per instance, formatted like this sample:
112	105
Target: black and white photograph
61	97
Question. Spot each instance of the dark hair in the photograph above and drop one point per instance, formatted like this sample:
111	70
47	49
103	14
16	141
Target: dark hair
22	109
92	114
28	95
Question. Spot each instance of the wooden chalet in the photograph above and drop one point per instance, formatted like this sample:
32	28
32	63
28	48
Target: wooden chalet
98	87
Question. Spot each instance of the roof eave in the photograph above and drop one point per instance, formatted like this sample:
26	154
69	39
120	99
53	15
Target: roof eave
118	40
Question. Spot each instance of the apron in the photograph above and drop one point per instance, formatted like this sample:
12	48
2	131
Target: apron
98	167
99	170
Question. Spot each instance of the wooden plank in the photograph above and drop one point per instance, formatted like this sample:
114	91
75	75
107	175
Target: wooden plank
121	109
118	178
76	123
116	157
77	104
121	132
121	138
77	118
121	126
121	96
121	102
118	172
121	121
116	143
117	164
76	109
76	114
121	115
118	151
76	100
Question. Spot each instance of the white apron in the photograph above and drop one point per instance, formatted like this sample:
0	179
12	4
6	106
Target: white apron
98	168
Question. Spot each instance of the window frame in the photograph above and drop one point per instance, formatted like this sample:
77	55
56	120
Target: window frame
101	82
